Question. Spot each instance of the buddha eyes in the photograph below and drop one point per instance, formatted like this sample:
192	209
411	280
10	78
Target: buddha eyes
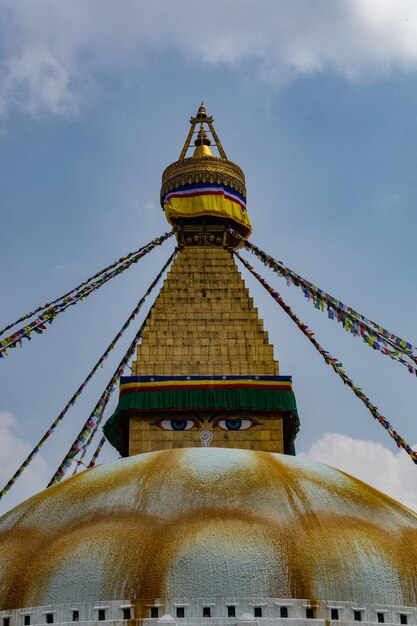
224	424
176	424
234	424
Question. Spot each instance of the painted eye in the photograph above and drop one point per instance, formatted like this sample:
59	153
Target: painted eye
176	424
235	424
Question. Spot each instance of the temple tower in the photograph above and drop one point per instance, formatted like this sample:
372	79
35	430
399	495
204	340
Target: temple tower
204	372
197	531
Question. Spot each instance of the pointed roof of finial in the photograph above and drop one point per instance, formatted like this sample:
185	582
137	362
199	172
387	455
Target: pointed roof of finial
202	113
206	124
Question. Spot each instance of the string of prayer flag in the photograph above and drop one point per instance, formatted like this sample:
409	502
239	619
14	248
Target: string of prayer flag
85	282
97	452
80	460
377	337
335	364
81	388
96	415
76	295
84	436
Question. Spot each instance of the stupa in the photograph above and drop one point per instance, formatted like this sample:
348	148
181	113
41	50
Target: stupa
210	518
205	371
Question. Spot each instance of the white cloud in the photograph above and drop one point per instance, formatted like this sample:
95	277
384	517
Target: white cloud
54	50
391	472
13	450
35	81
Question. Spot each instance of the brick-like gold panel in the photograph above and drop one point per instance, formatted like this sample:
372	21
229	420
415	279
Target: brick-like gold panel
204	322
147	432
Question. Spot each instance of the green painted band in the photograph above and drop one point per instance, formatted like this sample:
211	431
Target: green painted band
232	399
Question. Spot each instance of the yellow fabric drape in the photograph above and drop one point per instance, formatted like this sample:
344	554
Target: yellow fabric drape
210	204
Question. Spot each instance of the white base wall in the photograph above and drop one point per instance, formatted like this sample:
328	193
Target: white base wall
245	609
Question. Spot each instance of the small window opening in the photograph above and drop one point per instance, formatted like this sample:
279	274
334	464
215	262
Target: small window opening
283	611
6	621
180	611
257	611
76	615
101	615
126	612
403	618
154	612
357	616
334	614
380	617
206	611
231	611
310	612
49	618
26	620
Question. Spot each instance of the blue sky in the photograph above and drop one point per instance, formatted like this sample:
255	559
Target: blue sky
317	103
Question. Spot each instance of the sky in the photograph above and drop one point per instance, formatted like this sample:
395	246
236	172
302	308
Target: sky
317	102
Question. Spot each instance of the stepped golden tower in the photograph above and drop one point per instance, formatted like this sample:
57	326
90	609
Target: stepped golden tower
205	372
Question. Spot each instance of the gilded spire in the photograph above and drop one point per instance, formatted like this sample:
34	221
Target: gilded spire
202	140
204	186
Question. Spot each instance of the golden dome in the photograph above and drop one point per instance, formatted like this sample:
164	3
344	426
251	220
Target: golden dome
207	522
202	151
